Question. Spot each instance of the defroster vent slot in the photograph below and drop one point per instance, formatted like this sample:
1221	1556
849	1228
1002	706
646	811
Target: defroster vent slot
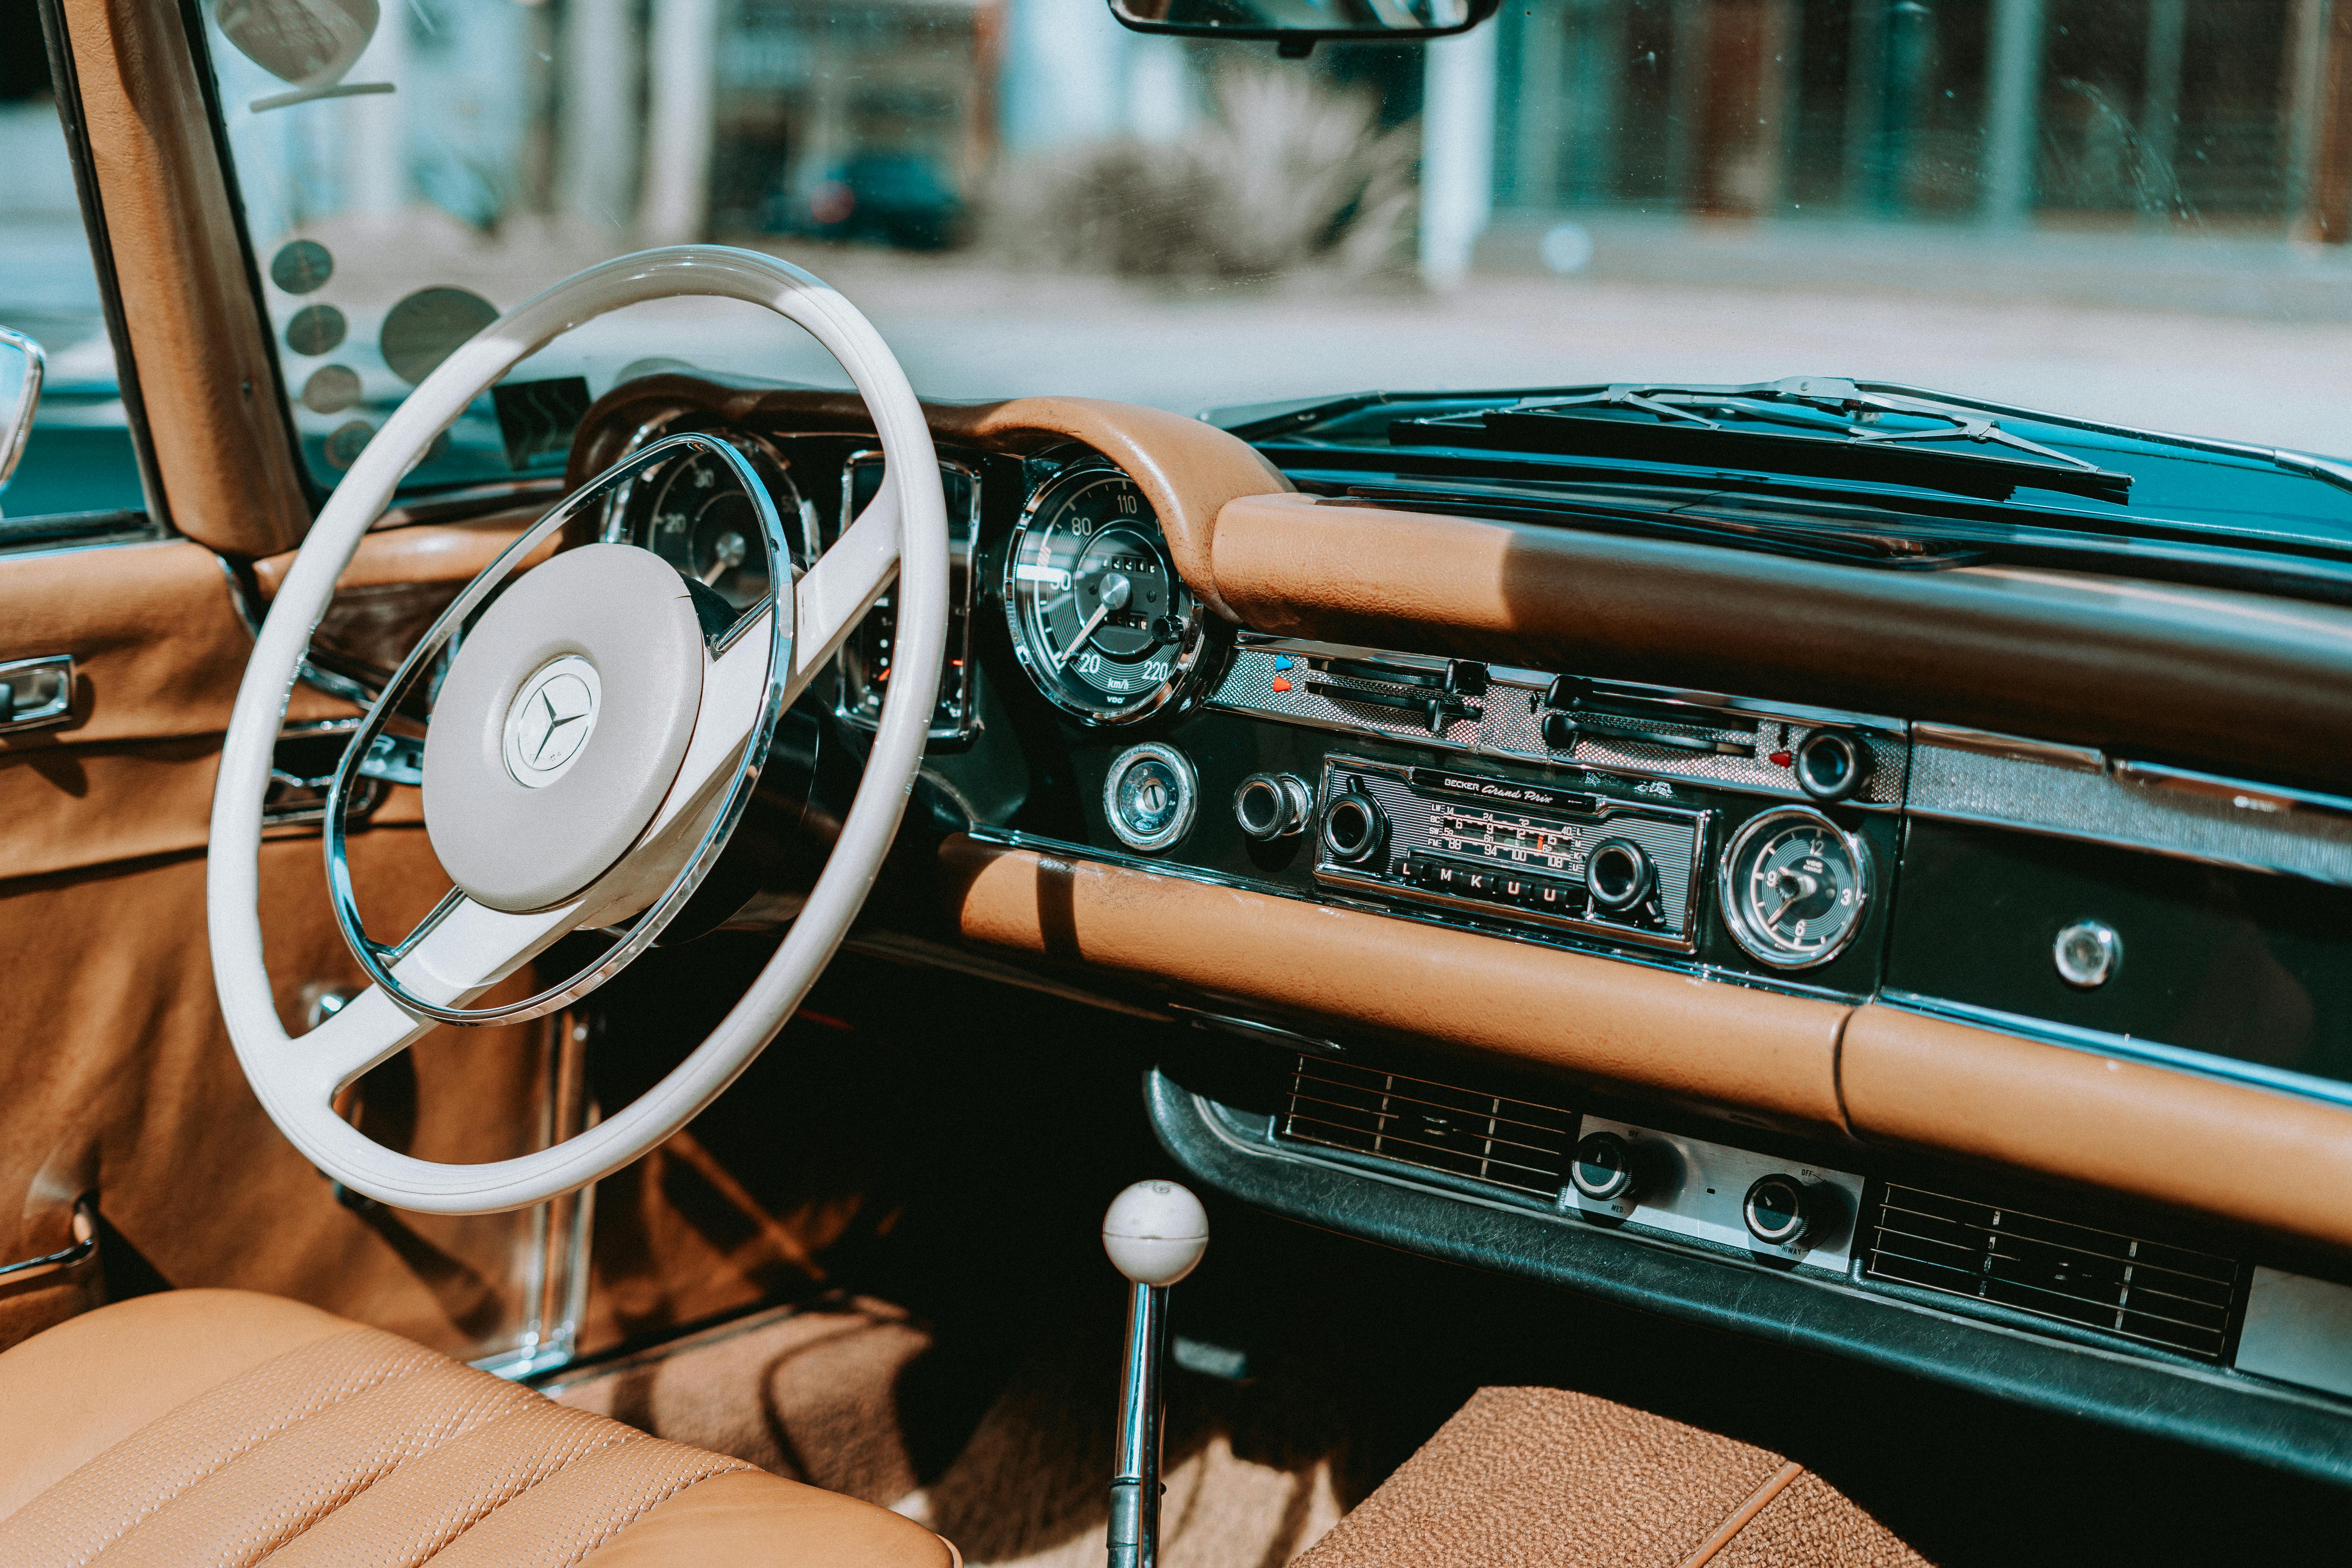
2102	1280
1505	1142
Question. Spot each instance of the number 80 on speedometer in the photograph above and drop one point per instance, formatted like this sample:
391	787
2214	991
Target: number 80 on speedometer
1098	615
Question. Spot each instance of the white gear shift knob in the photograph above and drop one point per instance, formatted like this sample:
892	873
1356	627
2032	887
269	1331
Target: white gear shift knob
1155	1233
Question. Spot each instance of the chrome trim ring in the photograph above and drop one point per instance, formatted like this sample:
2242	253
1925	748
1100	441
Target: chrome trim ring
1760	945
1187	682
1188	802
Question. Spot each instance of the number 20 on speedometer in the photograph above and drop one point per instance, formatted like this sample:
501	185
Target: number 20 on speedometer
1098	614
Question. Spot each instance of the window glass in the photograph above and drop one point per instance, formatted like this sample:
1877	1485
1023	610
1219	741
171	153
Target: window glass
2129	210
79	459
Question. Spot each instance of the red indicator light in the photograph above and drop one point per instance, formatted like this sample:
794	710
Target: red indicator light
1780	759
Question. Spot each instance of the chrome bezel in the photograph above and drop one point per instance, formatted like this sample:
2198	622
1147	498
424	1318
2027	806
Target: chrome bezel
1762	946
962	670
1184	684
621	519
1189	807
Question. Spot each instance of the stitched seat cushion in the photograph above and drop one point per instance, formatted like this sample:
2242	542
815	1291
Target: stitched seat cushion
224	1428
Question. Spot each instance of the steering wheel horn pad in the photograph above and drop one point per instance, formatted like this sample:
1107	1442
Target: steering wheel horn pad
517	845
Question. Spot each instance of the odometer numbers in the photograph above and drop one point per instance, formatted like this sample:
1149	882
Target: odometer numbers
1794	886
1098	614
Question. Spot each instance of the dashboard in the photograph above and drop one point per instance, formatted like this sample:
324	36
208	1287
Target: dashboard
2016	1061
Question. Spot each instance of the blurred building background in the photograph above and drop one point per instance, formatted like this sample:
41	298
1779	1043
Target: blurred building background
888	121
1771	158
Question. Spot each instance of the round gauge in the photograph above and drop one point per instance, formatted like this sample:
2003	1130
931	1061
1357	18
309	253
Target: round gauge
697	516
1105	625
1794	886
1150	796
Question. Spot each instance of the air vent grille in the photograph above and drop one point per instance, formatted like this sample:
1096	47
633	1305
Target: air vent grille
1505	1143
2143	1290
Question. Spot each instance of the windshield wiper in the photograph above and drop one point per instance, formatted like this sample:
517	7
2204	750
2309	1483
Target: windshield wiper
1829	435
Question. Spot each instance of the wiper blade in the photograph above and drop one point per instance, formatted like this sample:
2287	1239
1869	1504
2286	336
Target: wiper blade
1843	448
1892	549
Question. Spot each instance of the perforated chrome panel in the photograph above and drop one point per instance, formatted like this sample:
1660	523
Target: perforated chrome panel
2082	794
1292	680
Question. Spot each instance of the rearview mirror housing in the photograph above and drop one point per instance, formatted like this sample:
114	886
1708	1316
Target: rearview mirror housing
21	364
1299	24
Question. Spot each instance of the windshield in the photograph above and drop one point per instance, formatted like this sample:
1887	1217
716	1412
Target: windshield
2130	211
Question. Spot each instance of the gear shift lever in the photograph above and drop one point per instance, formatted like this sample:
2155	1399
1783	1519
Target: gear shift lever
1155	1233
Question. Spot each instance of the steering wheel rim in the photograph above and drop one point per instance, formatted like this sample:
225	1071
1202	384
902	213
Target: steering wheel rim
902	534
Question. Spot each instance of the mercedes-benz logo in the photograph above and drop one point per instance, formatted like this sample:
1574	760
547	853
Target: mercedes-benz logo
551	721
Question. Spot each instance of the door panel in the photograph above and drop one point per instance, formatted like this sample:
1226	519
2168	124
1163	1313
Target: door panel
116	1073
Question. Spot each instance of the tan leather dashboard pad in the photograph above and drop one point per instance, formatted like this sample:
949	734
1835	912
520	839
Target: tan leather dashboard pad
2228	1150
1618	1023
1885	1075
2139	668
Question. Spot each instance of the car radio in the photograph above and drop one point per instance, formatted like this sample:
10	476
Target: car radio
1503	848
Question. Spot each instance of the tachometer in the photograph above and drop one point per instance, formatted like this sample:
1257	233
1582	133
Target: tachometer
1794	886
693	512
1105	625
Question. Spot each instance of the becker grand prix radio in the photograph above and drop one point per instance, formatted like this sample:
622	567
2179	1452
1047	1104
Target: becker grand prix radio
1575	859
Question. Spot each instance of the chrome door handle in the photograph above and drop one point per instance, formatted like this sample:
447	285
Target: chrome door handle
35	692
84	1245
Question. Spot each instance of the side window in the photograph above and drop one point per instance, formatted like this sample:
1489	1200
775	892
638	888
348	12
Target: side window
79	463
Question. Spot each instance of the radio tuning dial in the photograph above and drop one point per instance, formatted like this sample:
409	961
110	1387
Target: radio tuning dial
1618	875
1355	828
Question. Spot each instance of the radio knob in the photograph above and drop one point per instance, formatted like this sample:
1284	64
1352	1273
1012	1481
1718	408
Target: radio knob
1272	806
1618	875
1355	828
1775	1210
1602	1169
1831	764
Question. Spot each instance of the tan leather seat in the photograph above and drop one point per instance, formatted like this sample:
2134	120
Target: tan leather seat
223	1428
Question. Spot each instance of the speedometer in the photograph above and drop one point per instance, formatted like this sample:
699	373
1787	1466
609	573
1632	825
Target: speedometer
1099	618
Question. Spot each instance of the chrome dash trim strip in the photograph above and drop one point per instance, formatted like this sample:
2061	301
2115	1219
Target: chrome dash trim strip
1010	838
2066	792
2151	1053
2014	748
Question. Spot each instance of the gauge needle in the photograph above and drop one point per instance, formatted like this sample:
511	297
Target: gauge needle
727	552
1115	589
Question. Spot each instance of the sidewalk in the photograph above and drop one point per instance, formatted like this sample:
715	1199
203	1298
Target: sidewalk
2192	269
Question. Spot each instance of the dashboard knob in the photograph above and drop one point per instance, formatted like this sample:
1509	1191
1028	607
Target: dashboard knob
1355	828
1775	1210
1617	874
1602	1169
1831	764
1272	806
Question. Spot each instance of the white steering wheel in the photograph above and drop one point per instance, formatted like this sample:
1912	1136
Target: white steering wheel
544	833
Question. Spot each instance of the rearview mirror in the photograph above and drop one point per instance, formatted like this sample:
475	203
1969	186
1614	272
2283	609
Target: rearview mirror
21	362
1298	25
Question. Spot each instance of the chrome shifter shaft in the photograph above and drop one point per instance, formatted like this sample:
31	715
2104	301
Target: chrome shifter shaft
1155	1233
